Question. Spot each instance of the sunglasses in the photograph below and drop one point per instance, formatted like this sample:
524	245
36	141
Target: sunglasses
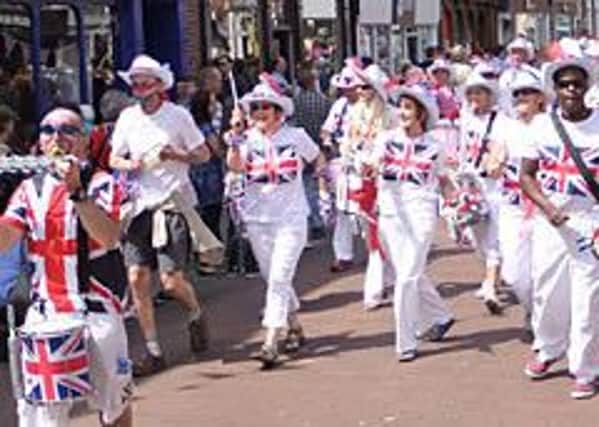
565	84
525	92
365	87
490	75
261	106
68	130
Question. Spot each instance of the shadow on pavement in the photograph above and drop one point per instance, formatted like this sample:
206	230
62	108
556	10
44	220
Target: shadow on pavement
330	301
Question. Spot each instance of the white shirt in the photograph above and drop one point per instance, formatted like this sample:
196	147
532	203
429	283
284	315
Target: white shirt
514	142
142	136
337	122
559	177
274	188
472	132
409	169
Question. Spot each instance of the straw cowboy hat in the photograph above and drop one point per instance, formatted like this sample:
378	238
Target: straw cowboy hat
374	76
268	90
148	66
440	64
527	79
522	43
476	79
423	96
565	54
346	79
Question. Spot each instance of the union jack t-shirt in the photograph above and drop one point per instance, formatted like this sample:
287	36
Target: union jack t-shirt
408	169
42	209
274	188
559	177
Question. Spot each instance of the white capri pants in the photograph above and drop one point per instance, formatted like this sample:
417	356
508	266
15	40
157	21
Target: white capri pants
515	243
110	372
278	247
343	236
566	295
407	237
486	235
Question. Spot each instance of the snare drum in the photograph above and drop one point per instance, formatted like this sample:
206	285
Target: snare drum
55	361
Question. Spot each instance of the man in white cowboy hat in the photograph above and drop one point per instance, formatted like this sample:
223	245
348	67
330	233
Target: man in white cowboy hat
334	131
158	140
566	231
482	123
520	53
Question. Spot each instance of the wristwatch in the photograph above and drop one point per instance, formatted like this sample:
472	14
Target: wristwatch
79	195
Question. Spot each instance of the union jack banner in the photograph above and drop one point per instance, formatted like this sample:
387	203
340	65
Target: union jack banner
56	368
408	162
559	174
272	165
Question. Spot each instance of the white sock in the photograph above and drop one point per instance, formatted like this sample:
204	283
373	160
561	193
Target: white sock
195	314
154	348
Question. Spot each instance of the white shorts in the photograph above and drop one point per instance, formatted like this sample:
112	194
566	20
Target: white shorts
110	373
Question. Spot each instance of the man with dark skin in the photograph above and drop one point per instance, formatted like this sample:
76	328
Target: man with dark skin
565	266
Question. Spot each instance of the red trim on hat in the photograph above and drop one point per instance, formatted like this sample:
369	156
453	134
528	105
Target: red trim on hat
272	83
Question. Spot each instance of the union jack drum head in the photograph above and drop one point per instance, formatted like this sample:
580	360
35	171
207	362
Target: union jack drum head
55	362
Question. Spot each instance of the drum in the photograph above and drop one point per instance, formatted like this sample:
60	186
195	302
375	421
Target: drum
55	361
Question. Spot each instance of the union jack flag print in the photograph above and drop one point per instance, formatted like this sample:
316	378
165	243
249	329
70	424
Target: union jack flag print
559	174
511	183
408	162
56	368
272	164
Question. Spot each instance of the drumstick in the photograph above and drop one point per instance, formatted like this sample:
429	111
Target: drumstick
14	352
233	88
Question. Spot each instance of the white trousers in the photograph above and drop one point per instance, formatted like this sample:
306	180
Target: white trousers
486	236
343	236
278	247
379	275
566	298
407	237
515	243
110	371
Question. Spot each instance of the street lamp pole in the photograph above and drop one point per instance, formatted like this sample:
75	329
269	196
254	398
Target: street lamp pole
551	19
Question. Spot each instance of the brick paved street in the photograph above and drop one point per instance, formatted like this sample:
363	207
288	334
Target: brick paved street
347	375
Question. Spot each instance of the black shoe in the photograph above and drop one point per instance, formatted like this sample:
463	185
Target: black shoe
294	340
438	331
148	365
493	306
198	334
269	357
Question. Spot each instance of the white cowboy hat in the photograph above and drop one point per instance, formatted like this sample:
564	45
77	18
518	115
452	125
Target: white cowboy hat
268	90
476	79
567	53
419	93
522	43
346	79
527	79
440	64
146	65
374	76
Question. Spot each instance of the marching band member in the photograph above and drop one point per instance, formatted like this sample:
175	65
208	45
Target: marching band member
334	130
71	223
480	124
515	212
371	115
158	140
411	169
562	155
272	154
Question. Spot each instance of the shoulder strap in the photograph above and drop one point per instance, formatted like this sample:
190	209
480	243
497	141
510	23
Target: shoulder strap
83	261
582	167
485	139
